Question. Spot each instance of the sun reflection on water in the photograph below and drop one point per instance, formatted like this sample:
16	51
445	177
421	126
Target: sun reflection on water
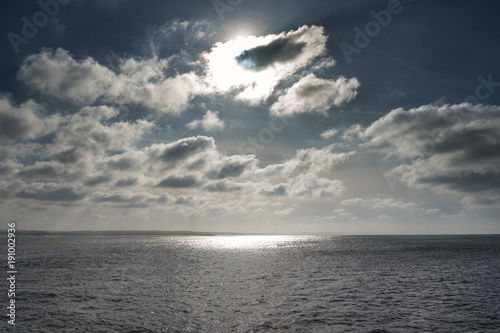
252	242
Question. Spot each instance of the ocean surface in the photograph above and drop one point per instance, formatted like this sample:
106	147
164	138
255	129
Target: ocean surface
257	284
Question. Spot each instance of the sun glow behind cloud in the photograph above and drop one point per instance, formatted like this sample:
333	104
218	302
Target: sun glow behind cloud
225	73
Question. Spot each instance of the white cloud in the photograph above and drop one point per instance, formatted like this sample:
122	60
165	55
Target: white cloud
84	135
57	74
141	82
353	132
312	94
310	160
329	133
379	203
209	122
312	186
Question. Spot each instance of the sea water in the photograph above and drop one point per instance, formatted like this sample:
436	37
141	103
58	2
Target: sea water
258	284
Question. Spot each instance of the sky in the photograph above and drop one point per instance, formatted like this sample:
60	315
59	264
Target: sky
360	117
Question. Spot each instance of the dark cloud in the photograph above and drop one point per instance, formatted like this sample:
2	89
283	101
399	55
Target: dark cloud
279	190
119	198
161	199
23	121
182	149
229	170
101	179
126	182
69	156
179	182
7	167
197	165
12	127
223	187
233	166
450	147
185	201
468	182
38	171
124	163
280	50
51	193
475	144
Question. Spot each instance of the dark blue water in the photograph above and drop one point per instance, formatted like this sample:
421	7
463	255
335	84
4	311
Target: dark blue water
258	284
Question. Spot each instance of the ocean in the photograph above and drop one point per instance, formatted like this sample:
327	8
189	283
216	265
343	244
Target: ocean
257	284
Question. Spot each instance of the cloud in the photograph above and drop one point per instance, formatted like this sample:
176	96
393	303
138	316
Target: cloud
232	166
84	135
51	192
141	82
21	150
329	133
305	175
97	180
125	199
452	148
375	210
312	186
74	160
279	190
9	167
181	150
57	74
312	94
310	160
180	41
209	122
127	182
223	186
24	121
118	197
179	182
379	203
128	161
185	200
40	171
218	186
249	68
281	50
352	133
